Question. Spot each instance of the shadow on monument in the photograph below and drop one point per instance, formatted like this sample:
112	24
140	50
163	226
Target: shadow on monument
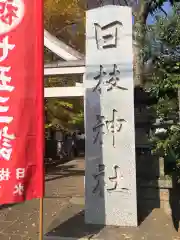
78	221
94	181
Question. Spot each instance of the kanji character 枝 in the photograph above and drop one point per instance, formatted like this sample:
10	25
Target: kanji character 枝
8	11
113	81
110	80
99	77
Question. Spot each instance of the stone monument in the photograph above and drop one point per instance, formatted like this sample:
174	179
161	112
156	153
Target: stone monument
110	178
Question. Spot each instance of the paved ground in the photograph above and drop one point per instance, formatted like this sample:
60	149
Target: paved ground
64	215
64	184
70	225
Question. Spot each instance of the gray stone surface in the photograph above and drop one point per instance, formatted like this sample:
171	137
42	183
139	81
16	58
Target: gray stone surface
110	182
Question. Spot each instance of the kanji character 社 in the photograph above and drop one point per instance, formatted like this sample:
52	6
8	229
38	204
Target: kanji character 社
99	177
117	181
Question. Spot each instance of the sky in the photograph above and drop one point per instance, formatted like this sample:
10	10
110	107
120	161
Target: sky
166	7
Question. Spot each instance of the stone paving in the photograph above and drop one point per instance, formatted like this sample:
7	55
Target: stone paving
63	183
64	215
70	225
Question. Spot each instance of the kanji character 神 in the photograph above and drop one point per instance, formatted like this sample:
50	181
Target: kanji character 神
20	173
4	174
8	11
18	189
99	128
112	126
5	46
6	149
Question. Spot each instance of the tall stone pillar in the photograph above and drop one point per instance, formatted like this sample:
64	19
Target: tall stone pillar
110	181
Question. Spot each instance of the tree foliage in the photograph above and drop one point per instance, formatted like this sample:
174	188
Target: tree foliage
64	113
141	10
65	20
165	86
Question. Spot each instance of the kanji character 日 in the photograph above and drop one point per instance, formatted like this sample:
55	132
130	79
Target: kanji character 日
107	36
8	11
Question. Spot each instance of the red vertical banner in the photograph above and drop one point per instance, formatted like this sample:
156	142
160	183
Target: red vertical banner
21	100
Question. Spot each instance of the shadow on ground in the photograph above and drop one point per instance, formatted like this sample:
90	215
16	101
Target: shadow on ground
70	224
61	171
74	227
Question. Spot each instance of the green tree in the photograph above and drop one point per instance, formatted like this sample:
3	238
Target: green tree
65	20
64	113
141	10
165	86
